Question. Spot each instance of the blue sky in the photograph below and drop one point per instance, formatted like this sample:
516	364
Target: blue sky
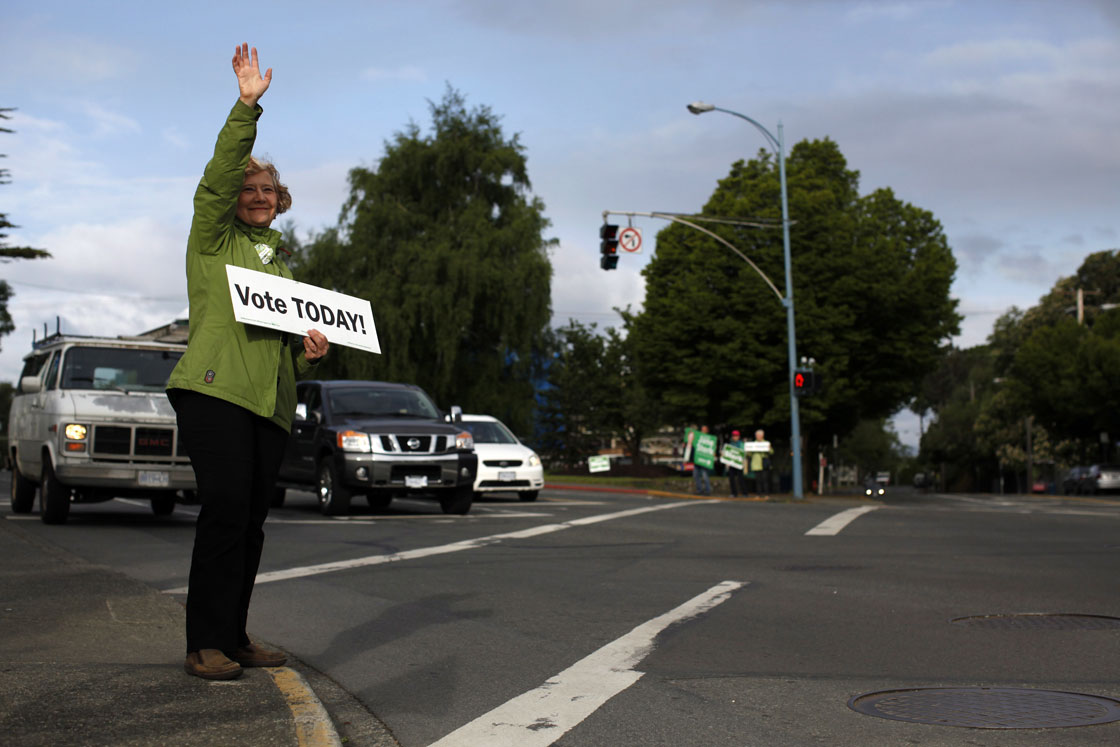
1000	117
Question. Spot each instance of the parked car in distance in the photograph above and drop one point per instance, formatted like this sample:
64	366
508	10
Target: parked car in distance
1099	478
504	463
380	440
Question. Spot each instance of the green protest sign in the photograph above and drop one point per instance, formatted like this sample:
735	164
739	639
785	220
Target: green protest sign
732	455
703	448
598	464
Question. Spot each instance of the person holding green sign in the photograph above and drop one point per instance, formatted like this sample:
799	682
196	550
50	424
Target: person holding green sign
701	445
733	449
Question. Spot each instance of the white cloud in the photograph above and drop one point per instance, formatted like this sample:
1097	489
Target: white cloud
109	123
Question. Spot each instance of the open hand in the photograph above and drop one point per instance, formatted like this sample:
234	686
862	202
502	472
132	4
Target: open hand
248	71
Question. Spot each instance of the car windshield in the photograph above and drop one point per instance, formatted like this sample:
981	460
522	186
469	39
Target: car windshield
370	402
489	432
121	369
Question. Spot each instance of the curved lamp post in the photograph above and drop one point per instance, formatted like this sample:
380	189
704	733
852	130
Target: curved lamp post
778	145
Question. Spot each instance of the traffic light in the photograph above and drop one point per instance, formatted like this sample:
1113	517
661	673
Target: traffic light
608	246
806	381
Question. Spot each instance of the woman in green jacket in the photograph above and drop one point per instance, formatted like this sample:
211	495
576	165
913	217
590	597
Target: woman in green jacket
234	388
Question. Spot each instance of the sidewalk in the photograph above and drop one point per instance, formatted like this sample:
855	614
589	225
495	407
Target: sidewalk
89	656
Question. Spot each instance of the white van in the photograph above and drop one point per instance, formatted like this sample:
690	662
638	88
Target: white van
90	422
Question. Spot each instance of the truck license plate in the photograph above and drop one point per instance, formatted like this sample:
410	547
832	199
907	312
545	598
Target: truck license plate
153	479
416	481
507	476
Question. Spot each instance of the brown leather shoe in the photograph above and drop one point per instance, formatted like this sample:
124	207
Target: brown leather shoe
255	656
211	664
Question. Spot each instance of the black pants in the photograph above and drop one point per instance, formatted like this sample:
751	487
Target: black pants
736	482
236	457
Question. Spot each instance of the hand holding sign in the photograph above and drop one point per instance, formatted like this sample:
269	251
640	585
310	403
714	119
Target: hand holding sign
315	346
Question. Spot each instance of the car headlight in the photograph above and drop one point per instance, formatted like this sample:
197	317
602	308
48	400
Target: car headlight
534	460
75	431
867	491
464	441
353	441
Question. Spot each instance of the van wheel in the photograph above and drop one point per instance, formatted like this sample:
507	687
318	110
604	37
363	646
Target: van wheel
54	499
163	505
458	501
23	492
334	497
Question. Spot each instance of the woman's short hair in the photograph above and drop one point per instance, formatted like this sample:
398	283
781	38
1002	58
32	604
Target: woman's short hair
283	196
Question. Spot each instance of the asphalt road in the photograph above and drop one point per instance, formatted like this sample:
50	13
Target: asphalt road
598	619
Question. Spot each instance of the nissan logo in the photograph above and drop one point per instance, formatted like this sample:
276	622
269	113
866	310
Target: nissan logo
413	444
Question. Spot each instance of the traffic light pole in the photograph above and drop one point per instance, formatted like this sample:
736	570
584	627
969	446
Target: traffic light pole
786	301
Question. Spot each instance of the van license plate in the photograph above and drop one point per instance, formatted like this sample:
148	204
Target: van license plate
152	479
507	476
416	481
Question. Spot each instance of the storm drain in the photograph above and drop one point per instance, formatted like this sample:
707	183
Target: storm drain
989	708
1040	621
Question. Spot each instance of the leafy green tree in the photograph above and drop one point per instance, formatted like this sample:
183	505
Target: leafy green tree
445	240
8	253
871	288
594	395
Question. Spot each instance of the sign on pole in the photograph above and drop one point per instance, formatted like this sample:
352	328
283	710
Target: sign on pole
599	464
630	240
271	301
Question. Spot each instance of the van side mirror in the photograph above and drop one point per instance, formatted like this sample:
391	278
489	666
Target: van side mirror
301	411
30	384
456	414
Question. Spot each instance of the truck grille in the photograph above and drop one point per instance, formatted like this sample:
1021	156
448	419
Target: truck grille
142	442
408	444
502	462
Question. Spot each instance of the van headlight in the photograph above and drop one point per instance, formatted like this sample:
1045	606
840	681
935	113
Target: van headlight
75	431
464	441
534	460
353	441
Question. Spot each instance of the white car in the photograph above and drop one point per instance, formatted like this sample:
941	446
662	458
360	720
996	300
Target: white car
504	463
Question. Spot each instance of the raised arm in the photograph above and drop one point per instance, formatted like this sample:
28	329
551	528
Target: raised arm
248	71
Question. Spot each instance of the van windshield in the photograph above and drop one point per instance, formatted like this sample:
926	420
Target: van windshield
120	369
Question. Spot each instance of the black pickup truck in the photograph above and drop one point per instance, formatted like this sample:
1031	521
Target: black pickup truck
380	440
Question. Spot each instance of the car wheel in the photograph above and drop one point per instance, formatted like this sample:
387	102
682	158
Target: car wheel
278	497
527	496
379	501
334	497
23	492
457	501
163	505
54	499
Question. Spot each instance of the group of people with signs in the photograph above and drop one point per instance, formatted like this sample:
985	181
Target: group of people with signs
744	460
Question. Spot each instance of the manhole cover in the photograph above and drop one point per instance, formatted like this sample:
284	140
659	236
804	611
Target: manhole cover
1041	621
989	707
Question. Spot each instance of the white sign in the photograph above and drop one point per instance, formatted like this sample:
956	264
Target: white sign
270	301
599	464
763	446
630	240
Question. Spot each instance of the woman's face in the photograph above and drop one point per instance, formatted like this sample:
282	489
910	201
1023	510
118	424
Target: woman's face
256	205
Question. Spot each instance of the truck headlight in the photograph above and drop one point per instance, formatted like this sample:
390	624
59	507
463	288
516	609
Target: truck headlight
464	441
75	431
534	460
353	441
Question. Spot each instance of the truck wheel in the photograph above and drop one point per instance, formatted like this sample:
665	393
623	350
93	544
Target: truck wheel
278	497
334	497
54	498
458	501
163	505
379	501
23	492
527	496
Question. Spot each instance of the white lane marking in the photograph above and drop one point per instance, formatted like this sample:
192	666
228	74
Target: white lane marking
470	544
407	517
832	525
541	716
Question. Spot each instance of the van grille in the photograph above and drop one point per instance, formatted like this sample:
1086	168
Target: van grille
143	442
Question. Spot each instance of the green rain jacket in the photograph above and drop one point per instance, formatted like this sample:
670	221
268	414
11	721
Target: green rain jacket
253	367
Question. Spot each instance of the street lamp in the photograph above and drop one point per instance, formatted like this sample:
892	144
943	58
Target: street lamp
778	144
